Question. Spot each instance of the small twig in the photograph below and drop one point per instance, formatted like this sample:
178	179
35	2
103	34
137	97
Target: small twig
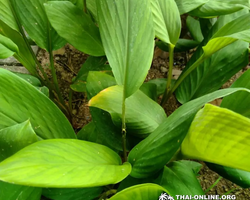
212	186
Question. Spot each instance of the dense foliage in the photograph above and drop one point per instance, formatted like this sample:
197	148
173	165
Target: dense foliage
130	149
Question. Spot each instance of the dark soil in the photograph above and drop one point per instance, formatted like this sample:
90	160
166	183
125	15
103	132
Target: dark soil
68	61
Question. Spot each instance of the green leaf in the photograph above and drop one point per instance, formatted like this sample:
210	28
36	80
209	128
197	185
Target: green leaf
36	23
181	46
194	166
219	7
16	137
91	64
19	192
186	6
194	28
150	89
152	153
148	191
167	21
24	56
76	163
8	47
21	101
105	132
30	79
91	5
216	70
7	16
206	135
238	29
127	34
178	179
142	117
237	176
83	34
232	102
72	193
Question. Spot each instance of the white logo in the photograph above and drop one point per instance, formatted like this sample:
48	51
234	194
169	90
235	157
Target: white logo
165	196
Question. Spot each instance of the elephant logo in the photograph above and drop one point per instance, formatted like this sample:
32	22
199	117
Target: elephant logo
165	196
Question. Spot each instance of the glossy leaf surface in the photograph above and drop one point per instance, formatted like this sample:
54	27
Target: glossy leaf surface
167	21
194	28
23	55
72	193
206	135
127	33
237	176
151	154
20	101
142	117
179	179
19	192
238	29
147	191
232	102
76	163
219	7
216	70
16	137
83	34
7	47
36	23
91	64
186	6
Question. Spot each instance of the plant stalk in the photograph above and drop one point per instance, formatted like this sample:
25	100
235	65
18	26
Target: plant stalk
124	128
106	194
184	75
30	49
170	72
85	6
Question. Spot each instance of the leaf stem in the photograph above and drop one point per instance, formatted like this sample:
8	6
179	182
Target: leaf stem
212	186
170	72
184	75
85	6
18	21
108	193
124	128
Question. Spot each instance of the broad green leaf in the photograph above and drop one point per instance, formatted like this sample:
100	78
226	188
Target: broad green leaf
194	28
238	29
216	70
142	117
5	52
178	179
30	79
105	132
72	193
6	10
152	153
83	34
75	163
186	6
237	176
12	139
219	7
127	33
16	137
147	191
24	56
150	89
20	101
7	44
181	46
36	23
206	135
232	102
91	5
206	24
19	192
91	64
167	21
194	166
